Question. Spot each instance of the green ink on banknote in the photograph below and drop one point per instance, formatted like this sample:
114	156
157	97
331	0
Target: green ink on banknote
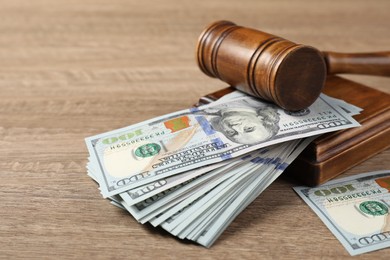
123	137
373	208
336	190
147	150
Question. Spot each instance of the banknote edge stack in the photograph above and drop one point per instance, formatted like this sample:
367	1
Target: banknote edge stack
199	204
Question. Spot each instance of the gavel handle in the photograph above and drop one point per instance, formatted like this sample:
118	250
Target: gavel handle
375	63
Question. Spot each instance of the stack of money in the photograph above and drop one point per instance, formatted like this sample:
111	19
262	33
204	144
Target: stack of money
193	171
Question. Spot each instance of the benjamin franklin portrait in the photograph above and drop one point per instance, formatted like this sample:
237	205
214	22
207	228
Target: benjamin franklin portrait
246	123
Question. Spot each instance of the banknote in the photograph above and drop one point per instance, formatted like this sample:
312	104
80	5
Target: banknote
355	209
155	149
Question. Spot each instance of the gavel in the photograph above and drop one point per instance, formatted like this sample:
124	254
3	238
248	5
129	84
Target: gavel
275	69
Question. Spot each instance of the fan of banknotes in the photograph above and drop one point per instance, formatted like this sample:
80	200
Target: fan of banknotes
193	171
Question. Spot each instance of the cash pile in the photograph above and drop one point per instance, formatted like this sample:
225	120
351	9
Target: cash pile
193	171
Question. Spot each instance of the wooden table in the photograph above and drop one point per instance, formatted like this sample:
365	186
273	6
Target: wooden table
71	69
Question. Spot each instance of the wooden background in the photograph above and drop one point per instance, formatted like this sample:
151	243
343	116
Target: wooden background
71	69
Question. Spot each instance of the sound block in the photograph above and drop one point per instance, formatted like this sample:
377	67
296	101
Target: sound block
331	154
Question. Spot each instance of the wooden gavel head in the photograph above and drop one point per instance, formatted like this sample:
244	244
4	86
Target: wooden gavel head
261	64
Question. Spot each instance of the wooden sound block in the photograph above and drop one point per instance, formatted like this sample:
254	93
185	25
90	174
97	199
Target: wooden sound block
331	154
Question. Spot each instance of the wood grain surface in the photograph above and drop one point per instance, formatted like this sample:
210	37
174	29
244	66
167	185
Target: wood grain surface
70	69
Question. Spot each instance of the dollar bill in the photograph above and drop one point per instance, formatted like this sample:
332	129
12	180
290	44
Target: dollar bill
136	155
356	209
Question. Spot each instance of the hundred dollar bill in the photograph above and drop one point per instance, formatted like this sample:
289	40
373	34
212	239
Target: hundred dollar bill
356	209
142	153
